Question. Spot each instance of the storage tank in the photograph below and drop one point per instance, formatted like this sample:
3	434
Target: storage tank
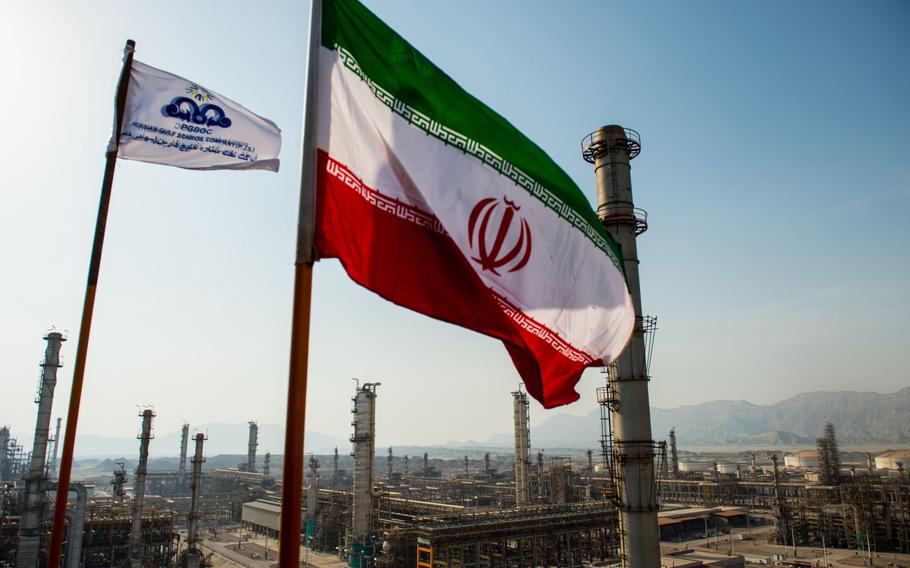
802	459
889	459
686	466
730	468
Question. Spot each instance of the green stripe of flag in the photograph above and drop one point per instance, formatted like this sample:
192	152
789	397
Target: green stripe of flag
416	89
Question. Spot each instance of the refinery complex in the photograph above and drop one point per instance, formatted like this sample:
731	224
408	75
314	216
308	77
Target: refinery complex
633	498
500	508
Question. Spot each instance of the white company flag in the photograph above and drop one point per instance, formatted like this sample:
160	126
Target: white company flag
172	121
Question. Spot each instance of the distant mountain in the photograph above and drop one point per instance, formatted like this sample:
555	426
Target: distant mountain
222	439
858	418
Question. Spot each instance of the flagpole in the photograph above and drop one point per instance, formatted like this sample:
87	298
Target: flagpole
295	421
72	417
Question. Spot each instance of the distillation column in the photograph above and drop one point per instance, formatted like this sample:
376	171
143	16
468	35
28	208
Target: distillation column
522	446
193	557
674	456
181	466
610	149
35	480
364	441
139	490
251	447
312	493
4	448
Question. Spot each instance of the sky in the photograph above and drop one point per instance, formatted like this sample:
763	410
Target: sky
774	169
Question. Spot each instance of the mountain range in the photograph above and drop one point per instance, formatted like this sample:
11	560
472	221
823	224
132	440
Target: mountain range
858	418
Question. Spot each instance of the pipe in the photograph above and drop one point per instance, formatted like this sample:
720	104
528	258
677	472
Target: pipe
136	552
35	479
74	535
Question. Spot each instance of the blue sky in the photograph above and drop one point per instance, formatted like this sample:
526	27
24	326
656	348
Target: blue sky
774	170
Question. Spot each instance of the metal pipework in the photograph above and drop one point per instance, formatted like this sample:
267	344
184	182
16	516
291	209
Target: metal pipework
610	148
251	447
522	447
76	527
192	518
35	479
136	552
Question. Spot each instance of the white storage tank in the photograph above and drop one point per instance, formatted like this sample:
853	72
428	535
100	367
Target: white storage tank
696	466
730	468
803	459
889	459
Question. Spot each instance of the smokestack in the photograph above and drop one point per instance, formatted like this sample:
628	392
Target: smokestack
522	446
406	459
389	464
364	440
610	149
486	462
266	464
35	480
251	447
136	552
181	466
426	464
52	466
193	555
466	467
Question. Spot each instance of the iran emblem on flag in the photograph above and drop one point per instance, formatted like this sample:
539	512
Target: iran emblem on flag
435	202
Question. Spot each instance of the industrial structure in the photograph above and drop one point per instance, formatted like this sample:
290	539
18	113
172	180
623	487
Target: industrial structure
513	511
610	150
364	442
36	479
522	447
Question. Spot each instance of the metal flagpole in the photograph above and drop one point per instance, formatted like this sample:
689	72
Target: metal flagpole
292	478
72	416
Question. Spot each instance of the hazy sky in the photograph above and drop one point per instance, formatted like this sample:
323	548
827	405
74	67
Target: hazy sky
775	171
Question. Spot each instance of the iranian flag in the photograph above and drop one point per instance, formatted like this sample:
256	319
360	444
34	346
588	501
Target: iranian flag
436	203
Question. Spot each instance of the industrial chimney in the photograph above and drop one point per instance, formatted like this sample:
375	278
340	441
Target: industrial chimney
35	480
610	149
136	551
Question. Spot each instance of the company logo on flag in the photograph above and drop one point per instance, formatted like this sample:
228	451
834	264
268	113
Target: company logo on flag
169	120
